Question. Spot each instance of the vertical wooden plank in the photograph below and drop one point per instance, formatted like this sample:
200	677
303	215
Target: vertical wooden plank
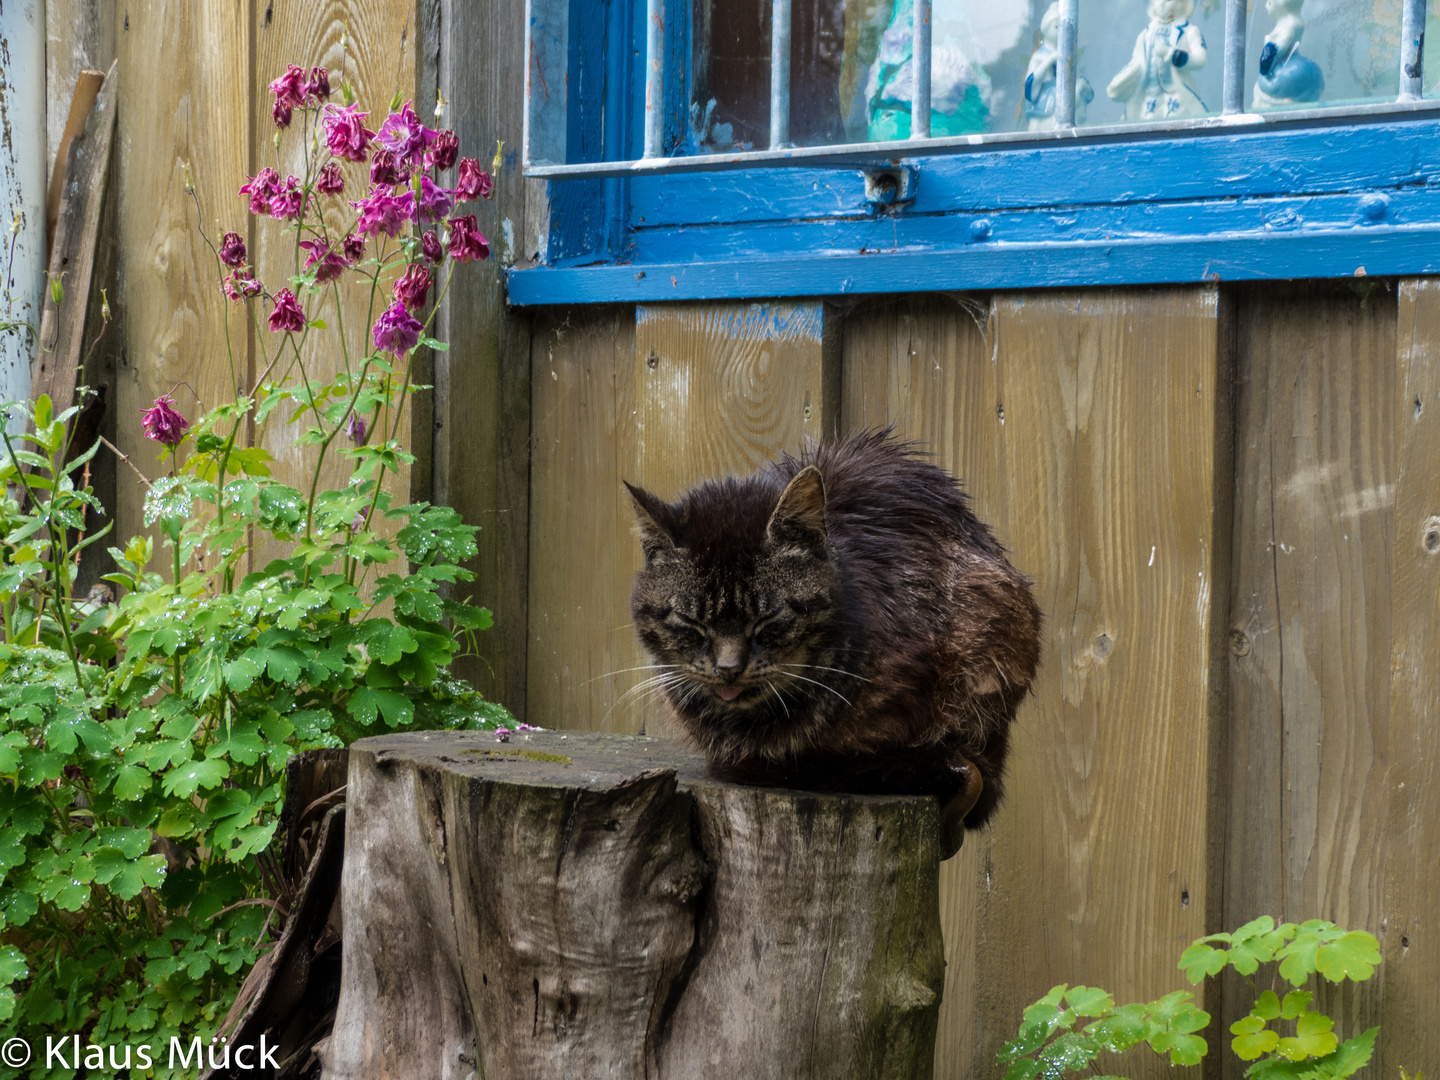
926	365
379	62
583	554
1310	634
1410	1027
1096	871
79	34
184	97
480	423
699	390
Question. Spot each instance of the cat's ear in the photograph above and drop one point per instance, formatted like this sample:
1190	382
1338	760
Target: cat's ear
799	519
651	515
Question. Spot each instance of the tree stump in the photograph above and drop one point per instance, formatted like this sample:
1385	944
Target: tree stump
592	906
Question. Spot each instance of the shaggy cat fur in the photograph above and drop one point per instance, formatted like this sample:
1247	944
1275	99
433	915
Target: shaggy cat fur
839	621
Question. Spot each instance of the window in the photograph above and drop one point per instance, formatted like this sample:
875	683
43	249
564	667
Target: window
706	148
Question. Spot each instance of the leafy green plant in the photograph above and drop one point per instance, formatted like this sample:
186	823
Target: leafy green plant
1049	1044
145	726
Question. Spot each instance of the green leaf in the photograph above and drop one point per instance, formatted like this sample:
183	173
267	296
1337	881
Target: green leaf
1250	1046
1313	1038
125	876
13	966
241	673
131	782
1123	1028
1354	956
1088	1001
1183	1049
184	780
1200	960
1070	1052
1295	1005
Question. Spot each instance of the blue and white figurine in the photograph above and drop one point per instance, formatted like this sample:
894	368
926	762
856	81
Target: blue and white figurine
1158	83
1039	103
1286	77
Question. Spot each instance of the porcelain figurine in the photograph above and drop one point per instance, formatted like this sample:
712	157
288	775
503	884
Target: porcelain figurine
1159	81
1039	104
959	85
1286	77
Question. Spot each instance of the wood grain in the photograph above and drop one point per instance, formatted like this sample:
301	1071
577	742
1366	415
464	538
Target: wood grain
378	62
480	430
185	95
1409	1032
1096	871
583	554
1310	631
925	365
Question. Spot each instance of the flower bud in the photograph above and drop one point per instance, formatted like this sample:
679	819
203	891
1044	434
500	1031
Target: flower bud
15	223
440	102
346	94
104	306
57	289
395	102
189	182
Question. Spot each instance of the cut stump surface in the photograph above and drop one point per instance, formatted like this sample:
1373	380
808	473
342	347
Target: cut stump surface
585	905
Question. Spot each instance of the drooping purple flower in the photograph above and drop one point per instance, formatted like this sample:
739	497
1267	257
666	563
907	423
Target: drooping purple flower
443	151
345	135
232	250
355	428
430	247
405	137
289	202
383	169
353	246
287	314
162	423
412	289
240	285
396	331
330	182
290	87
472	182
466	242
381	212
433	204
262	187
318	85
328	264
282	112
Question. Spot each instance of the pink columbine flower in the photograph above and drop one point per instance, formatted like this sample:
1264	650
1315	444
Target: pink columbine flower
318	85
430	247
466	242
434	202
502	734
262	187
289	203
405	137
287	314
232	250
381	212
240	285
355	428
345	135
396	331
353	246
282	112
472	182
383	169
412	289
162	423
290	87
444	151
328	264
330	182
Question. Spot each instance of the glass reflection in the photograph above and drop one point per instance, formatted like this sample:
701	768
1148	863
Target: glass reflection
1159	81
1310	54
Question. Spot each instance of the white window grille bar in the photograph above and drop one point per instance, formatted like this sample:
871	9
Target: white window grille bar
1412	45
1233	96
654	77
1065	64
920	62
780	74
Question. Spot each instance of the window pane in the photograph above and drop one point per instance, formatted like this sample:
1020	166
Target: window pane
852	70
1152	60
1306	54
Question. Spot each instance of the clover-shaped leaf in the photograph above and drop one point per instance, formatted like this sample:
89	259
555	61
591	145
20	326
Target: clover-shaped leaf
1295	1005
1251	1045
1088	1001
1123	1028
1313	1038
1267	1006
1353	956
1200	960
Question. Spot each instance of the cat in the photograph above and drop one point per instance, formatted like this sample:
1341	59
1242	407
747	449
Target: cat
839	621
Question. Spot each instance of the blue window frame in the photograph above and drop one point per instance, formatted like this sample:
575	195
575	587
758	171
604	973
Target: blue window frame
642	210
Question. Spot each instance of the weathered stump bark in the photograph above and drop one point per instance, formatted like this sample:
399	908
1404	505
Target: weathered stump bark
591	906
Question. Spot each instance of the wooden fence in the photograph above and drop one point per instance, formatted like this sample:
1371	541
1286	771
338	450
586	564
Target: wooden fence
1227	498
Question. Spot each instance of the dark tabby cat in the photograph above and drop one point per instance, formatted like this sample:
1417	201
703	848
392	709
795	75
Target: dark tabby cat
840	621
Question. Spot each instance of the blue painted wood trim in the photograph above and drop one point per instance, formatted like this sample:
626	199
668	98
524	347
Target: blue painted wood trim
1315	202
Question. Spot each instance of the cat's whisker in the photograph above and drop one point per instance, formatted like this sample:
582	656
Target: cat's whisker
779	698
822	667
822	686
627	670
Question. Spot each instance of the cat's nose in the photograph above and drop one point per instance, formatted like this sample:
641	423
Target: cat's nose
729	658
